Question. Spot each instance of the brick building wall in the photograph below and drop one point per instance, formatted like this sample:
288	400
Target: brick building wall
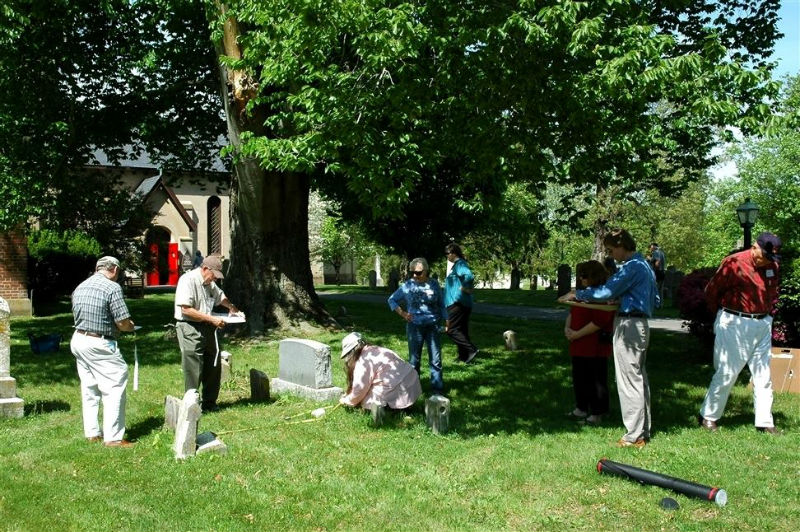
14	271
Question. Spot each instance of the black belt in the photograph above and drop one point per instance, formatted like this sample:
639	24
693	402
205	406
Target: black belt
744	314
635	314
94	334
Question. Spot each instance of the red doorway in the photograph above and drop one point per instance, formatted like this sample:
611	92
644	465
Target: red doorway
164	258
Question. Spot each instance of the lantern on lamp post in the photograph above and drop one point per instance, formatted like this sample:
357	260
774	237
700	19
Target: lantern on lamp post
747	213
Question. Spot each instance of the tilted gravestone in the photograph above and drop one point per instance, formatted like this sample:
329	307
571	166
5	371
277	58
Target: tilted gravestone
304	369
172	409
186	430
10	404
564	276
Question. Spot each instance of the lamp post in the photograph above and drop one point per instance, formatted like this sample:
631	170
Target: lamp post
747	213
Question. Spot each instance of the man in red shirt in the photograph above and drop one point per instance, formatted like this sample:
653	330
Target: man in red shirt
743	293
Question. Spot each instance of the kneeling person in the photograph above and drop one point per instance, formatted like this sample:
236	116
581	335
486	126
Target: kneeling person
376	375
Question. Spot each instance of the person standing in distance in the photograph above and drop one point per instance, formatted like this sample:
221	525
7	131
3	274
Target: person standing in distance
458	288
659	263
423	313
195	297
100	313
742	293
634	285
198	259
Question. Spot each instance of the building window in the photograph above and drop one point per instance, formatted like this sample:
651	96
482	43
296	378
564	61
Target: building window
214	225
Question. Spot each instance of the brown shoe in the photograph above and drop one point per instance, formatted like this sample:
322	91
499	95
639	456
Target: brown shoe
638	443
94	439
768	430
707	424
119	443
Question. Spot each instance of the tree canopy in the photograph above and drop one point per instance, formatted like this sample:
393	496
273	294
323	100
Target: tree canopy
415	116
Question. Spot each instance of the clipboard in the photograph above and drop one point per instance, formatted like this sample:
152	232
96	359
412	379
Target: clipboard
227	318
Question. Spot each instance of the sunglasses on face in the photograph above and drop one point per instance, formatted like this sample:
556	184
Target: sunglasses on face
417	272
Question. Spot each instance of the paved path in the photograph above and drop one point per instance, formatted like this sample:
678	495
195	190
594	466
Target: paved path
528	313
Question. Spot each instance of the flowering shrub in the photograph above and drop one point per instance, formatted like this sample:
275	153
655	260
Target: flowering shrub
692	304
700	322
786	327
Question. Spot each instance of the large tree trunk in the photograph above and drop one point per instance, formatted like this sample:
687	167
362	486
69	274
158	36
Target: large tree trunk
603	213
270	274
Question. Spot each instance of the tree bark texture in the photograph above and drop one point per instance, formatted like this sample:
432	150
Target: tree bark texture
270	273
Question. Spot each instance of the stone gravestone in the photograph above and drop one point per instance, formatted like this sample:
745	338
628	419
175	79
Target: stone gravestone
304	369
226	359
564	279
259	385
10	404
172	409
186	429
373	279
378	413
437	413
672	280
207	442
394	280
510	338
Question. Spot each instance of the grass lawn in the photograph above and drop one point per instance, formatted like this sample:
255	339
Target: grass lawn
511	461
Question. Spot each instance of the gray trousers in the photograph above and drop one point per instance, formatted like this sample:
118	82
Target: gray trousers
199	360
631	338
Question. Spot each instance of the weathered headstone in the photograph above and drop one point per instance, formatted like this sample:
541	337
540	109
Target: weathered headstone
172	409
207	442
437	413
373	279
10	404
226	359
186	431
564	281
259	385
510	338
304	369
378	413
394	280
672	280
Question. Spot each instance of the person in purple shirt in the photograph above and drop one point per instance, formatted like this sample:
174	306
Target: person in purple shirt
634	285
424	309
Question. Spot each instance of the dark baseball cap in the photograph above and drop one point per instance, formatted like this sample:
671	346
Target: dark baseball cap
770	244
214	263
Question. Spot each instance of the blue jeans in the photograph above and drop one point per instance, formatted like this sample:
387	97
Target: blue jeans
428	334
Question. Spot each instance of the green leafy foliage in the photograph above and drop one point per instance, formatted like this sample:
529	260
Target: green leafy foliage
58	262
70	242
120	77
411	114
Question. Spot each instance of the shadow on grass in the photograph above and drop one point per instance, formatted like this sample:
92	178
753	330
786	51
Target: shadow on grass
145	427
45	407
530	390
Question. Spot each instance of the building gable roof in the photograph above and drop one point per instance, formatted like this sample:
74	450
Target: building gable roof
148	186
